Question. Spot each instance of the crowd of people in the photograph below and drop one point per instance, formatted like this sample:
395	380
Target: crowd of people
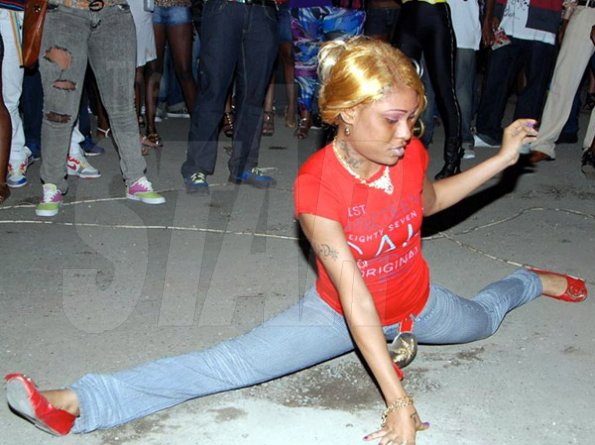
232	88
372	94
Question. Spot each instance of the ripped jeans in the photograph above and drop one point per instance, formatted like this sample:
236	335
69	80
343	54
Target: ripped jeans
107	40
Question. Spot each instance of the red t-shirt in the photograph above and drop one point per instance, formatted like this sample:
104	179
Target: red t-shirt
383	231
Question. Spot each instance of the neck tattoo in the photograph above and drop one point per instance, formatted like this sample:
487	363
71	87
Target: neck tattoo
383	183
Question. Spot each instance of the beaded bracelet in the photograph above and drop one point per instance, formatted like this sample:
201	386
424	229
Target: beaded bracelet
402	402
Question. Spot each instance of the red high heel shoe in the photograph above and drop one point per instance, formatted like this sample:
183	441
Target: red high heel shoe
576	289
24	398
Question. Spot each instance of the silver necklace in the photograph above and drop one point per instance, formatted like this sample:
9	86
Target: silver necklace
383	183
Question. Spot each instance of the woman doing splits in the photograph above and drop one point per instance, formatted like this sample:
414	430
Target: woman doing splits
360	201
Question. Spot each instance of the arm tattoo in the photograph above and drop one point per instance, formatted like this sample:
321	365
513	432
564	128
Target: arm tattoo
325	251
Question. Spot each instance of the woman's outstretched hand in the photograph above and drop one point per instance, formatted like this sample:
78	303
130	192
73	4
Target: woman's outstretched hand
400	428
520	132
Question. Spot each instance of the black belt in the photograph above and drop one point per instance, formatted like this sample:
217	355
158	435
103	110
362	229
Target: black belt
587	3
270	3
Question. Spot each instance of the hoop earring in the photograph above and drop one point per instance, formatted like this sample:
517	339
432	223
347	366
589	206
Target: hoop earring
347	130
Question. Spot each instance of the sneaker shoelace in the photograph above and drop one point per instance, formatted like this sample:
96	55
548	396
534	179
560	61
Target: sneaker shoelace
143	184
53	195
198	178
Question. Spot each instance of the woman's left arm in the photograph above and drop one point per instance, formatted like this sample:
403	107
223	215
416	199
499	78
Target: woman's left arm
442	194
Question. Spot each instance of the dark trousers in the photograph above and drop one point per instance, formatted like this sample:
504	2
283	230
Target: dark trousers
241	39
424	28
536	58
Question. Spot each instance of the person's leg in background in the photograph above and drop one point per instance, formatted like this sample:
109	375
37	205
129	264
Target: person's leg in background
88	145
465	69
5	136
179	31
12	86
306	30
285	56
62	64
31	108
260	43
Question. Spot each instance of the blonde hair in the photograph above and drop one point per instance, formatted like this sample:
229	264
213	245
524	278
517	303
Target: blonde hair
360	71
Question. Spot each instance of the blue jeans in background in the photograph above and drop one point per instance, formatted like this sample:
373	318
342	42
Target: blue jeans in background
537	58
240	39
308	333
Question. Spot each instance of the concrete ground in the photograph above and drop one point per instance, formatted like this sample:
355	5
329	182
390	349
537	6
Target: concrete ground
110	283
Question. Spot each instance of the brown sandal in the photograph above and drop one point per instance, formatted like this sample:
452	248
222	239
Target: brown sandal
102	133
147	145
303	128
154	138
268	124
228	124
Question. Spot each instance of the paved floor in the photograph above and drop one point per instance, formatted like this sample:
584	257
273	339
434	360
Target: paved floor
110	283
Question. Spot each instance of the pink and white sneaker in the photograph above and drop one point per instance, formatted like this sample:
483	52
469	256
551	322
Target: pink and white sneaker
142	190
50	201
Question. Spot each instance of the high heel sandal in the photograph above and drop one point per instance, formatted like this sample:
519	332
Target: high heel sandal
154	138
268	124
228	124
24	398
147	145
102	133
303	128
576	289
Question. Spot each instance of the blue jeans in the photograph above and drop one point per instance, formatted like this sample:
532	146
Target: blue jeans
235	38
172	15
32	106
537	58
308	333
465	65
107	40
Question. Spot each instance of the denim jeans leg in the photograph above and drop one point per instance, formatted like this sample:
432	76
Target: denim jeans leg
465	80
31	106
448	318
501	69
539	58
221	40
112	49
308	333
259	51
62	64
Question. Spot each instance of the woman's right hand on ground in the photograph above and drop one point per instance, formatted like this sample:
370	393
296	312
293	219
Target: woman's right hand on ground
400	428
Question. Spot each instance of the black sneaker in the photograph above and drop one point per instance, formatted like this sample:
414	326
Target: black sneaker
588	164
197	183
255	178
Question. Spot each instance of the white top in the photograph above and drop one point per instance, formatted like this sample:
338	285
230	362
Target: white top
514	23
465	21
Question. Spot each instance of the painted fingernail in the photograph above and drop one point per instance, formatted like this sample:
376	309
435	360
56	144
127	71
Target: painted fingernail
366	437
426	424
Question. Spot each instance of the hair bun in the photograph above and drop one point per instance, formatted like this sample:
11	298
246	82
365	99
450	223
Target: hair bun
328	55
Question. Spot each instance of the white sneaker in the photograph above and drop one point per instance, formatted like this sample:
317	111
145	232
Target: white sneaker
469	153
79	166
468	150
480	143
16	174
